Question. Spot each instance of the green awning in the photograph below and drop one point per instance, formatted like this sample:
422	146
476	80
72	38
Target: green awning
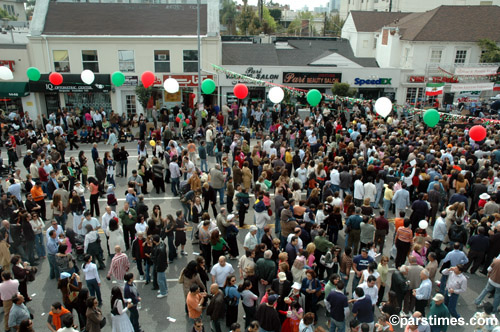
14	89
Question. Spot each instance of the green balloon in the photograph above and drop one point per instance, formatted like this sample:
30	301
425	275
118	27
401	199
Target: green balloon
33	73
313	97
208	86
118	78
431	117
184	124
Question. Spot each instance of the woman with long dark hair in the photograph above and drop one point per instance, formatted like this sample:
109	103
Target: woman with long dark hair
93	315
81	306
248	300
119	318
231	291
217	242
189	276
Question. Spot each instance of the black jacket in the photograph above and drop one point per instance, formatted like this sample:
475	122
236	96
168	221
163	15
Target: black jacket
160	257
216	308
100	172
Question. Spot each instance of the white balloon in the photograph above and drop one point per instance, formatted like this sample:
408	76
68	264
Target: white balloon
87	76
171	85
383	106
6	73
276	94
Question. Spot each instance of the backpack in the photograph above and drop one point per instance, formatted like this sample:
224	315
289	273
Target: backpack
456	233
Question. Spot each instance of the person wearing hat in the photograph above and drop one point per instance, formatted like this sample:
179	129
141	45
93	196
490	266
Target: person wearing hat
477	190
281	287
267	316
438	311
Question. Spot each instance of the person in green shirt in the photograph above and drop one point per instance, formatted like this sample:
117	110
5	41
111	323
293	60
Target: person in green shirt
438	310
322	246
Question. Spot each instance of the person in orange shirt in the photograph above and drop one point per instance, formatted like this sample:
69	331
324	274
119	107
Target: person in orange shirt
194	302
191	147
39	198
399	222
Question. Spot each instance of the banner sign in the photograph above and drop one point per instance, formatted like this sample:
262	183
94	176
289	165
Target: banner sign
311	78
471	87
476	71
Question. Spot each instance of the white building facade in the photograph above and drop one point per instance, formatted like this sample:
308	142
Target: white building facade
159	47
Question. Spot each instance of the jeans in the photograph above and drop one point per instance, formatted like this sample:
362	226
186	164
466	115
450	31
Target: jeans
336	326
489	288
204	165
277	225
355	282
345	280
377	199
134	318
94	289
148	269
60	221
162	282
111	179
221	195
30	251
260	234
218	157
215	325
387	206
244	121
451	301
40	247
442	287
54	271
123	167
175	185
210	148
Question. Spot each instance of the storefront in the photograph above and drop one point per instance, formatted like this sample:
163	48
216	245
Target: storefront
414	86
73	93
321	81
11	94
256	93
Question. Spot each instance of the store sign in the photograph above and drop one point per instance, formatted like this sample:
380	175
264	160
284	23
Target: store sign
472	86
434	79
188	80
131	81
478	71
380	81
311	78
8	63
259	74
72	83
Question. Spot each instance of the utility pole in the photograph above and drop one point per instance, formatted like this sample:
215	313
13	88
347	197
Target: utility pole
199	49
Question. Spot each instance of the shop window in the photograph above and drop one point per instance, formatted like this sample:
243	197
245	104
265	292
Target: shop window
162	61
460	56
130	105
436	56
90	60
87	100
413	95
190	61
9	9
61	61
126	62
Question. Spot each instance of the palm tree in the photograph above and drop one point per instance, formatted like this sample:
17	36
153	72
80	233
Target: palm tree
229	15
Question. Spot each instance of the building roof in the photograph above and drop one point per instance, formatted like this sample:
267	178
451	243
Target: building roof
451	23
302	52
123	19
373	21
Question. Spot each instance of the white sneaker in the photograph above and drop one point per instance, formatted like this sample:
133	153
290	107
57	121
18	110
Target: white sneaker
159	296
158	291
141	278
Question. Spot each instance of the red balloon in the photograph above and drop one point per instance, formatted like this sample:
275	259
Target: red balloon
56	78
477	133
147	78
240	91
177	119
188	121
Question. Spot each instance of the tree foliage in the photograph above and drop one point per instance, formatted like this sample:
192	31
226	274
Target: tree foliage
333	25
491	52
143	95
247	20
343	90
229	16
276	14
4	14
295	27
268	22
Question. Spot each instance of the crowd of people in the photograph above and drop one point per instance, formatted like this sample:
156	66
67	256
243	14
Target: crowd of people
331	201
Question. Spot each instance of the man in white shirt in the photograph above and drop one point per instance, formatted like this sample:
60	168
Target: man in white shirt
56	227
209	137
370	191
251	239
335	179
89	220
423	292
221	271
359	191
370	288
456	285
302	173
106	217
266	146
440	229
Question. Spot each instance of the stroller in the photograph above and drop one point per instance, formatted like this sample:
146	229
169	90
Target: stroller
77	243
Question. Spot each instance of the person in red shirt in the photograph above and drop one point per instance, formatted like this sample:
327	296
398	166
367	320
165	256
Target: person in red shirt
138	252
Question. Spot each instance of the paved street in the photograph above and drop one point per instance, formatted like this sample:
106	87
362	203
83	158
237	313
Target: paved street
154	312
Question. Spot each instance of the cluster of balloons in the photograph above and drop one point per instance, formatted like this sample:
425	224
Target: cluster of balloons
180	118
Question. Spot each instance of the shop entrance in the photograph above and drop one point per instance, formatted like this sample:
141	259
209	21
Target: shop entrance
52	102
370	93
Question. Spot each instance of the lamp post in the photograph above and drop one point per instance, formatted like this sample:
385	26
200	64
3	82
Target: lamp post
199	49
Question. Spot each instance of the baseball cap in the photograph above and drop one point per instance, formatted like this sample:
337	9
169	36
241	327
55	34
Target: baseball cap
282	276
296	285
272	298
438	297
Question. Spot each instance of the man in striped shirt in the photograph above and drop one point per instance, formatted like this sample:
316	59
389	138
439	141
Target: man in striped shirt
119	266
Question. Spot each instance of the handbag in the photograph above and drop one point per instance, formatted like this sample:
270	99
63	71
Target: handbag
72	295
329	264
102	322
